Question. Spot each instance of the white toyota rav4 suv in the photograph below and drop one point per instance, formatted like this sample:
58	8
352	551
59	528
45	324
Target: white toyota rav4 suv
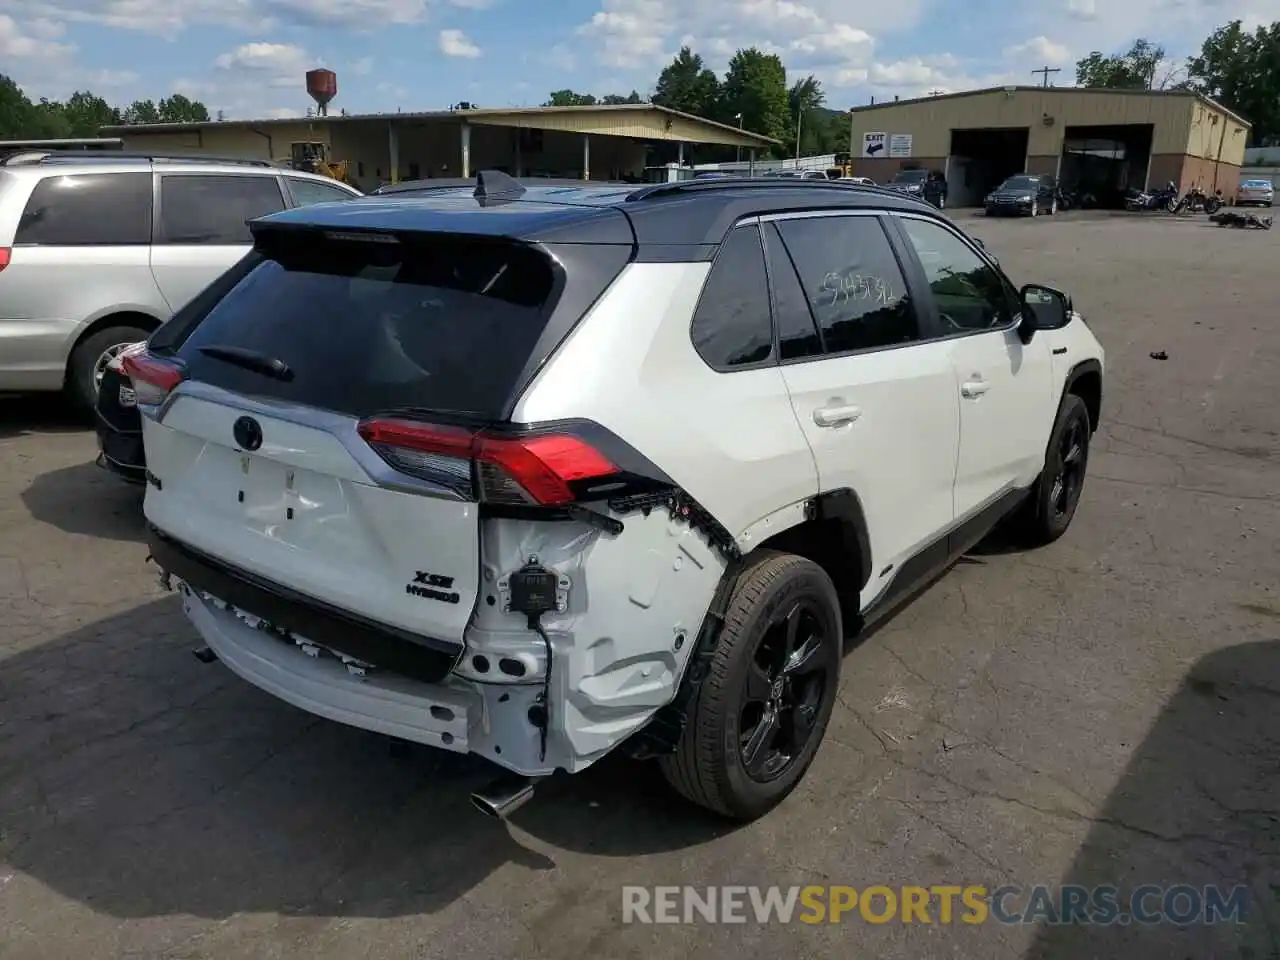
542	473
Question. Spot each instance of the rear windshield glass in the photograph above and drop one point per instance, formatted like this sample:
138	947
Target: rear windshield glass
441	323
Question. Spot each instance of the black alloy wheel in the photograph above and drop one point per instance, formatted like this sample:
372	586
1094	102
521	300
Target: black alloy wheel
783	692
1068	475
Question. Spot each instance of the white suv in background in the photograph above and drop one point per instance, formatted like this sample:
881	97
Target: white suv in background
97	250
539	474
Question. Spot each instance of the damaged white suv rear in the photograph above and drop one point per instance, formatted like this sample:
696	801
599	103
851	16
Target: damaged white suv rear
543	473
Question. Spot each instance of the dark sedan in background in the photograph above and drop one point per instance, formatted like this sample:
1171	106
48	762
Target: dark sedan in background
118	422
1023	195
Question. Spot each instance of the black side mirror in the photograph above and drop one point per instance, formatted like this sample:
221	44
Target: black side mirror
1043	308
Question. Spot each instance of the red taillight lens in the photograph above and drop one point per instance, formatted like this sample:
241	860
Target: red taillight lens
5	254
152	377
534	469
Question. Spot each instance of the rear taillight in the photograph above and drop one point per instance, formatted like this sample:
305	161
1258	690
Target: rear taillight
538	468
153	377
5	254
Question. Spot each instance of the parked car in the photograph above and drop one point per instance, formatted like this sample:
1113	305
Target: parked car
96	250
118	425
558	481
1255	193
929	185
1024	195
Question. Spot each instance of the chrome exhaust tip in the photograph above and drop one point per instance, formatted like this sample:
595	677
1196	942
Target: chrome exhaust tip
504	796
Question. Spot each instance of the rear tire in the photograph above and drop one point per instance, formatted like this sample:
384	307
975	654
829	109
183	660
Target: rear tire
1051	506
714	765
89	358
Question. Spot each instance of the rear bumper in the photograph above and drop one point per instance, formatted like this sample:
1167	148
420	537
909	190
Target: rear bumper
425	659
434	715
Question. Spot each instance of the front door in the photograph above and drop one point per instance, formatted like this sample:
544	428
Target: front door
1005	387
875	399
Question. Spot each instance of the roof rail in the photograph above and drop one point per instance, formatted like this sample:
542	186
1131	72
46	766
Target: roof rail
91	156
735	183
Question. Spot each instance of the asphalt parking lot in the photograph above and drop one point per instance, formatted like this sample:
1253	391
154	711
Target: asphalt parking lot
1104	711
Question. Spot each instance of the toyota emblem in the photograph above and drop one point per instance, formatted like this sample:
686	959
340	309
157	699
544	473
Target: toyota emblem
248	433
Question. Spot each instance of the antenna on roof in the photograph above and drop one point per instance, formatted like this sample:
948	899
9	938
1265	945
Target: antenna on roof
494	186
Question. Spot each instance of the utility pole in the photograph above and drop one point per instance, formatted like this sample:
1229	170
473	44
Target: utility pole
799	121
1045	71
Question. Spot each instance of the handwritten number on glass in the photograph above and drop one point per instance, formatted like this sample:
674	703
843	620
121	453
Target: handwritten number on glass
848	287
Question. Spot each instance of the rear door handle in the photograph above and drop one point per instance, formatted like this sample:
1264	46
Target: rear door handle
837	415
972	389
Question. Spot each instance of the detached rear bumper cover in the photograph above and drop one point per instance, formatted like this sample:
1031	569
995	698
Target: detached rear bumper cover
425	659
437	716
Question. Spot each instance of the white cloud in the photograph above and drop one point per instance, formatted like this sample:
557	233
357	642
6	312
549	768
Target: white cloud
363	15
560	57
1082	9
361	67
31	41
455	43
163	19
275	64
1040	49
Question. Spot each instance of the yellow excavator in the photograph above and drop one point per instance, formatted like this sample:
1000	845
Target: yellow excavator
313	157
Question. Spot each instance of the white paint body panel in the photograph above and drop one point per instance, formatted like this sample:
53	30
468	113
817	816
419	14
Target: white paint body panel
349	542
899	455
1003	430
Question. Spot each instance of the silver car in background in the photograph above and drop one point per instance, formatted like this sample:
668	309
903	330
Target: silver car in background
1256	191
98	251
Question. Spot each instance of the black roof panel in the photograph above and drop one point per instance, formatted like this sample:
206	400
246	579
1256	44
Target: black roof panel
690	212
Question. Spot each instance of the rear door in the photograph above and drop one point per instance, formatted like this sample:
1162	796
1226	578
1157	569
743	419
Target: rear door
201	226
875	397
426	326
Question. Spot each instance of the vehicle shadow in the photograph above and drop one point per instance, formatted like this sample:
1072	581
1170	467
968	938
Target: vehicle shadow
87	500
143	783
1199	804
39	413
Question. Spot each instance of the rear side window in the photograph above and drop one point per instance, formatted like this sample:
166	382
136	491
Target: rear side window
731	326
214	208
436	322
307	192
852	281
88	209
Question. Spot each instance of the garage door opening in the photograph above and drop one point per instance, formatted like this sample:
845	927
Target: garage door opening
1105	162
981	159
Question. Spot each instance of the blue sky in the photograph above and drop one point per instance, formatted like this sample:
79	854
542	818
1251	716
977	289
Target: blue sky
247	57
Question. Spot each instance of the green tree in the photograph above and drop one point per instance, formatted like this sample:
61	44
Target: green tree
179	109
568	98
686	84
755	94
805	99
1241	70
1138	68
18	118
616	98
140	111
86	114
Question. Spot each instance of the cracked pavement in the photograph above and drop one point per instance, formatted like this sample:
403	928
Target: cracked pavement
1103	711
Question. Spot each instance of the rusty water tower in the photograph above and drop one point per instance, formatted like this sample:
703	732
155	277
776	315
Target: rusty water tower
322	84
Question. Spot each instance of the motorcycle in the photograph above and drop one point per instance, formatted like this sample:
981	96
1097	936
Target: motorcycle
1162	199
1196	200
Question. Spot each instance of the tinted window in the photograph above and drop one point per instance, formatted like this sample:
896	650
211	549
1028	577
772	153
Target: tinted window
307	192
852	281
969	292
731	326
199	208
88	208
797	334
437	322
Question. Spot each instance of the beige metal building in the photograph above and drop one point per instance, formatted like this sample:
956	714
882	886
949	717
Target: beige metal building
601	142
1097	139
